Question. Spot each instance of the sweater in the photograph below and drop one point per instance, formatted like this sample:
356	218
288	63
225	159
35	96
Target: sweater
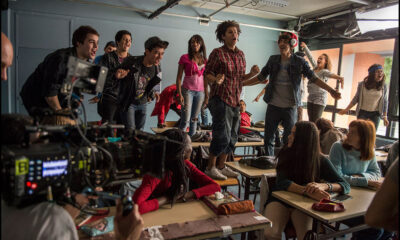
348	163
151	188
383	101
329	138
163	105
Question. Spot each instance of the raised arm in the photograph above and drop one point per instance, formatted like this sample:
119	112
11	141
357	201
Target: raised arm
308	54
253	72
316	80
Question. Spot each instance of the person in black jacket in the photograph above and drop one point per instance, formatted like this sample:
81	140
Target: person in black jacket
42	90
140	78
107	106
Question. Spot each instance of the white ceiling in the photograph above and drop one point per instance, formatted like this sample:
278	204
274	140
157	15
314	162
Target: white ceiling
295	8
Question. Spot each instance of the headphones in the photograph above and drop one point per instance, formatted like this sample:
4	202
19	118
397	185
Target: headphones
293	40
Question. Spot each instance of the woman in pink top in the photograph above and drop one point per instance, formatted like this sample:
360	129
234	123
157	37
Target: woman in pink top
191	92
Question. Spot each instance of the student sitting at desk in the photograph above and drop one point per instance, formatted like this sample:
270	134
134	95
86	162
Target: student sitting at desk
304	170
154	192
354	159
328	134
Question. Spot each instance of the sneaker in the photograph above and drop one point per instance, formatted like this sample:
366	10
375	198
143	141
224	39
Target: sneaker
214	173
229	173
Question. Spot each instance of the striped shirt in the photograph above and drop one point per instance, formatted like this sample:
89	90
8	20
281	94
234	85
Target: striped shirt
232	63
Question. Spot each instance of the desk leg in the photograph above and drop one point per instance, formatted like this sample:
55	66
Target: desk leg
246	188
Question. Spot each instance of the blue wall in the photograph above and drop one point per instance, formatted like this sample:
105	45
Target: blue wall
39	27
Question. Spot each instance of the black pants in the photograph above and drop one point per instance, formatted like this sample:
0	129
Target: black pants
314	111
107	108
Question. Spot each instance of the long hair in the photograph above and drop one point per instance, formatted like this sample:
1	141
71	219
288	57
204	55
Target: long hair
366	134
301	161
323	125
328	63
174	162
202	50
370	79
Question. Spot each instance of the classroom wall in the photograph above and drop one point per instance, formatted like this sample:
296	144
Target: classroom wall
39	27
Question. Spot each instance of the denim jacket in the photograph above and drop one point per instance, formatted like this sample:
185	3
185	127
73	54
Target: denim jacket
127	86
298	66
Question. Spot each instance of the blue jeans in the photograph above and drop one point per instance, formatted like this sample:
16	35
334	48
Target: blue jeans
273	117
204	116
375	117
135	117
191	109
225	126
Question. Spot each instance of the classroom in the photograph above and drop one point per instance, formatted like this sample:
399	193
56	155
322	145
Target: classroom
284	121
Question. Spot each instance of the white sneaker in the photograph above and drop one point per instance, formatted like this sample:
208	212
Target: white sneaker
214	173
229	173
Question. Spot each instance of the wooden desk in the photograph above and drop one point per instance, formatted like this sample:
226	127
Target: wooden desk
254	129
249	172
195	220
381	156
161	130
356	206
238	144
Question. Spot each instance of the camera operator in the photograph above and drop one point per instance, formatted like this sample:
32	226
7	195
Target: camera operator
42	89
47	220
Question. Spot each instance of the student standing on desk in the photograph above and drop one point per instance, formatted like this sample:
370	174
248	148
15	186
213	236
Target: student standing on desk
226	73
154	192
304	170
354	159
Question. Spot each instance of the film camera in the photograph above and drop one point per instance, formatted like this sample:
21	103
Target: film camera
77	156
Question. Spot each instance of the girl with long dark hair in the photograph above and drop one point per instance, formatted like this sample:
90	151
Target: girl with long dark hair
301	169
154	192
193	89
371	97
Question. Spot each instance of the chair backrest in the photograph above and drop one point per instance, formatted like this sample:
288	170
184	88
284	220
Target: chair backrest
264	192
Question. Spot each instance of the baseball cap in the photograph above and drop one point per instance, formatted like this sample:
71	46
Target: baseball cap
155	42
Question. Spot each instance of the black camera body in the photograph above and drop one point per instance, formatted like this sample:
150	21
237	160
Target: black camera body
28	172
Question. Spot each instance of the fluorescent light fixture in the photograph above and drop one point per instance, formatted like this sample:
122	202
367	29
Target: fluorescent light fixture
275	3
389	14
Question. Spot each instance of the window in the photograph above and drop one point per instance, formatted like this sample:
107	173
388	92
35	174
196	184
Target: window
354	63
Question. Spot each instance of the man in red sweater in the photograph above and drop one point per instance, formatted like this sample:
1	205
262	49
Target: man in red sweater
168	100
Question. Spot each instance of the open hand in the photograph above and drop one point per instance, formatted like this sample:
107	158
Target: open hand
341	81
121	73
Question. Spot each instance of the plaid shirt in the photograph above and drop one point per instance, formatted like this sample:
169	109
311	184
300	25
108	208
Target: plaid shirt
232	63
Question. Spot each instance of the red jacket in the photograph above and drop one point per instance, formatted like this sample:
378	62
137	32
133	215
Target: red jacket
166	100
155	187
244	122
